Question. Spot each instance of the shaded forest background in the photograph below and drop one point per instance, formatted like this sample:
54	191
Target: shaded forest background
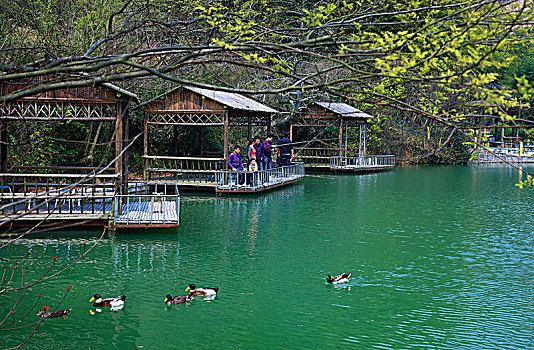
425	70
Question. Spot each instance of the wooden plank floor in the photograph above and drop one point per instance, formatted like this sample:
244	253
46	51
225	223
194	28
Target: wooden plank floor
149	213
65	209
133	213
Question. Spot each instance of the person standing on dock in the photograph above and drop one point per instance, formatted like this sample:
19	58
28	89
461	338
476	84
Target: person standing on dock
285	150
234	160
267	152
235	163
251	151
258	146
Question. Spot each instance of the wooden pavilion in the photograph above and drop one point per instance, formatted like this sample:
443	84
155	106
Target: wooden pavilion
76	194
189	106
321	155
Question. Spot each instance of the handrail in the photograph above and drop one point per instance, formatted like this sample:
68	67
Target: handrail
362	162
185	111
89	176
182	158
227	180
154	208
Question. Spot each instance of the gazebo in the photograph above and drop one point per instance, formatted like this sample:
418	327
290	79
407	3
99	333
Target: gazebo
189	106
83	194
318	154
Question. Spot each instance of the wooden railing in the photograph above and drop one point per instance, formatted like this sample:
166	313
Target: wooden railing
56	194
257	180
156	205
182	169
364	162
315	156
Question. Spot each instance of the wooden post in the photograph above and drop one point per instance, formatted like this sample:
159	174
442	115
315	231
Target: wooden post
118	149
249	127
126	140
269	125
365	139
145	144
346	149
201	137
360	141
226	139
3	146
340	139
175	140
291	132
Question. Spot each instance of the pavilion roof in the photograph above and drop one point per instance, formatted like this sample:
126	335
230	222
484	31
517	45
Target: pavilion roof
344	110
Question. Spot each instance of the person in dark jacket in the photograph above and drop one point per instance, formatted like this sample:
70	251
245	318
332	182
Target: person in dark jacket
267	152
285	150
258	146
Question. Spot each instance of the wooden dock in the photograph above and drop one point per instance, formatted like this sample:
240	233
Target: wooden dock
163	214
145	205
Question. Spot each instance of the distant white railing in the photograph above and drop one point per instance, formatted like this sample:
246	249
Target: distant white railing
502	155
257	180
364	162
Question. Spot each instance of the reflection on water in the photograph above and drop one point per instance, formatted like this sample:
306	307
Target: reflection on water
441	257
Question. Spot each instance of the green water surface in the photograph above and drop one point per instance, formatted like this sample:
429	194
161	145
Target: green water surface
441	258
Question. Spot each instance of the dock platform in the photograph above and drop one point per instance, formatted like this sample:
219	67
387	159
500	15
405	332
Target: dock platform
25	202
225	181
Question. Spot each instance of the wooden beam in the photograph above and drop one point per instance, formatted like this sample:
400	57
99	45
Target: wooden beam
187	124
364	139
226	145
88	119
175	140
3	146
201	137
340	138
145	143
126	140
119	132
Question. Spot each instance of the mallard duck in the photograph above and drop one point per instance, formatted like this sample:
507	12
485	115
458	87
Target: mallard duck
113	302
179	299
343	278
54	313
193	290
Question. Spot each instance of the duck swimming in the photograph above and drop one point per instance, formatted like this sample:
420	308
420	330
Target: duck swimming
193	290
179	299
113	302
343	278
51	314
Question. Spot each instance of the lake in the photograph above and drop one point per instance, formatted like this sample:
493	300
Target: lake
441	258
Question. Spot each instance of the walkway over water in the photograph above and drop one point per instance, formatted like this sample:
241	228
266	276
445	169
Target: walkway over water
224	181
85	199
325	159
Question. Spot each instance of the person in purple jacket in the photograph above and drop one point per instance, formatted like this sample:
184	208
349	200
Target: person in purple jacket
234	160
235	163
267	152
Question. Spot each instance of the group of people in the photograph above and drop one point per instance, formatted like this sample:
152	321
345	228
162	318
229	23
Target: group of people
259	154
